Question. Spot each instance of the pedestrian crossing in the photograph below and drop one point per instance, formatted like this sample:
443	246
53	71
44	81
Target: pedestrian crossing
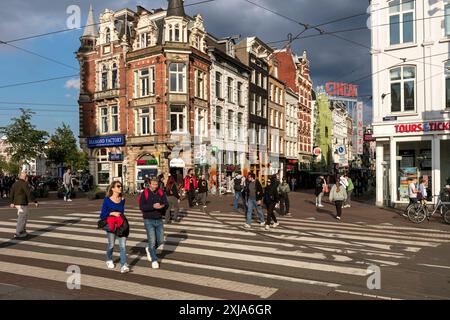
211	256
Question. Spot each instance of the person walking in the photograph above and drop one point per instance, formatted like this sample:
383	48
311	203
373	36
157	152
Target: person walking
422	190
152	203
271	198
173	198
2	185
284	191
293	184
321	186
203	190
239	184
190	185
350	188
338	195
68	184
113	213
20	197
255	195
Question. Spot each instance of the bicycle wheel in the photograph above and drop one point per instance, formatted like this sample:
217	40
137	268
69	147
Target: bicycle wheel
446	215
417	214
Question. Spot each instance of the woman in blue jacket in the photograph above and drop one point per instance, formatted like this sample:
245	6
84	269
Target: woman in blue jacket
112	210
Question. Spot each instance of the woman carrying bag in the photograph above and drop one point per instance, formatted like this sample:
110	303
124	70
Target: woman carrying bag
114	222
338	195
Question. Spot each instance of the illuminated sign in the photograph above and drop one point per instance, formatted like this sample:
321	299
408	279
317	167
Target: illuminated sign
422	127
341	89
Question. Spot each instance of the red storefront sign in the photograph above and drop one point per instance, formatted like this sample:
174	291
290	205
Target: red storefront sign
369	138
422	127
341	89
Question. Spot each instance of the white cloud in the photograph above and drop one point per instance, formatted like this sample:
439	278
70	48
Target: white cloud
68	95
72	84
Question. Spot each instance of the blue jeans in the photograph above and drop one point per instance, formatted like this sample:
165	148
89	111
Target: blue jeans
237	195
68	191
155	235
252	205
109	250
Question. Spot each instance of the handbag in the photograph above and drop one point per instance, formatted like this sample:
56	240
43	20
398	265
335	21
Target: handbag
101	223
124	229
326	189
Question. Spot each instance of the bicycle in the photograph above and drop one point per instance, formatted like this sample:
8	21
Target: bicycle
418	212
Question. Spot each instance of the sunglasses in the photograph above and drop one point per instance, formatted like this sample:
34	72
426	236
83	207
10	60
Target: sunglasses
119	187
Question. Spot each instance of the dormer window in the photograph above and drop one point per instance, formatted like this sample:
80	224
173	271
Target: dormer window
177	33
107	35
104	78
114	76
143	41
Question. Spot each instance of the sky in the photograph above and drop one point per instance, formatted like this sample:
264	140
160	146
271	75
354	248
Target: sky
331	59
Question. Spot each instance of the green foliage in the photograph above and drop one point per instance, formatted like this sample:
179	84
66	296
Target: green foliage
62	146
9	167
25	141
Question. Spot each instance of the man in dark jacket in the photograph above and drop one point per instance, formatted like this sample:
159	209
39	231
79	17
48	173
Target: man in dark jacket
271	198
203	190
153	203
20	197
254	193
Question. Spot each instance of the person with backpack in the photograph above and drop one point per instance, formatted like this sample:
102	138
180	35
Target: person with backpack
284	190
321	184
153	203
271	198
190	185
350	188
338	195
174	200
239	183
203	190
115	225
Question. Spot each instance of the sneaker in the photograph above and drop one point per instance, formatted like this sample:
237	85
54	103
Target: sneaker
149	257
65	198
349	206
124	269
320	205
247	226
262	224
204	206
288	214
339	218
69	200
155	265
110	264
267	227
276	224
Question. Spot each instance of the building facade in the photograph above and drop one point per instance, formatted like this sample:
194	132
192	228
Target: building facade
411	96
291	133
324	132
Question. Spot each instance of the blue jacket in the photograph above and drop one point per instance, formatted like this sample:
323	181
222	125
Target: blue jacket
146	204
109	206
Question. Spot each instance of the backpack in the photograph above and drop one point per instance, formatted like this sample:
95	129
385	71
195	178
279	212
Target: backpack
238	184
145	192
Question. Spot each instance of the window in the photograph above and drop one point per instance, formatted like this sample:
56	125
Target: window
114	76
264	84
403	89
230	125
401	21
177	33
447	85
271	93
177	77
264	108
200	84
144	40
240	127
114	119
230	83
252	103
201	122
276	124
144	80
271	117
253	76
219	122
107	35
104	78
281	121
102	167
258	106
177	119
104	120
447	20
218	85
146	121
259	79
276	94
239	92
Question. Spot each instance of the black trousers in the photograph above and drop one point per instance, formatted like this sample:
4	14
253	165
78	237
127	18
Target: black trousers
271	214
285	203
191	198
338	204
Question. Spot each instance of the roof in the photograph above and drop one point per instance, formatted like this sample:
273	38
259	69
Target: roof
175	8
90	30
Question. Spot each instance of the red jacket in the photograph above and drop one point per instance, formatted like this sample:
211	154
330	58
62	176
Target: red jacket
114	222
187	184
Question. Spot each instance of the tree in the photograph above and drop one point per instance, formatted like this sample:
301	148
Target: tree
25	141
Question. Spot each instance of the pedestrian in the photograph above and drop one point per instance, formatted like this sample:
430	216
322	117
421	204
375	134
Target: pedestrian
203	190
321	186
113	213
255	194
284	191
338	195
173	198
422	191
412	192
271	198
2	185
190	185
293	184
239	183
153	203
68	185
21	196
350	188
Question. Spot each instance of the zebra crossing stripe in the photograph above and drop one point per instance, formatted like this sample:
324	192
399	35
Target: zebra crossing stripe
169	260
204	281
120	286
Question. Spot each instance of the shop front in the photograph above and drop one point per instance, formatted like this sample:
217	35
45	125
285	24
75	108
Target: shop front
177	168
411	151
146	168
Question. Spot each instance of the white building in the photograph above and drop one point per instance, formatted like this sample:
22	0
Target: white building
411	95
291	132
229	105
340	133
3	149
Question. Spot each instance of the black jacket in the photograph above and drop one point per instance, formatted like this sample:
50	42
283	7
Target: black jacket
173	192
259	190
21	193
202	186
146	205
271	195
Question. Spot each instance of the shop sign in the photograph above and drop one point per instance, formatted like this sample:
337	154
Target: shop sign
317	152
293	162
177	163
341	89
115	157
369	138
106	141
422	127
151	162
390	118
359	128
340	150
